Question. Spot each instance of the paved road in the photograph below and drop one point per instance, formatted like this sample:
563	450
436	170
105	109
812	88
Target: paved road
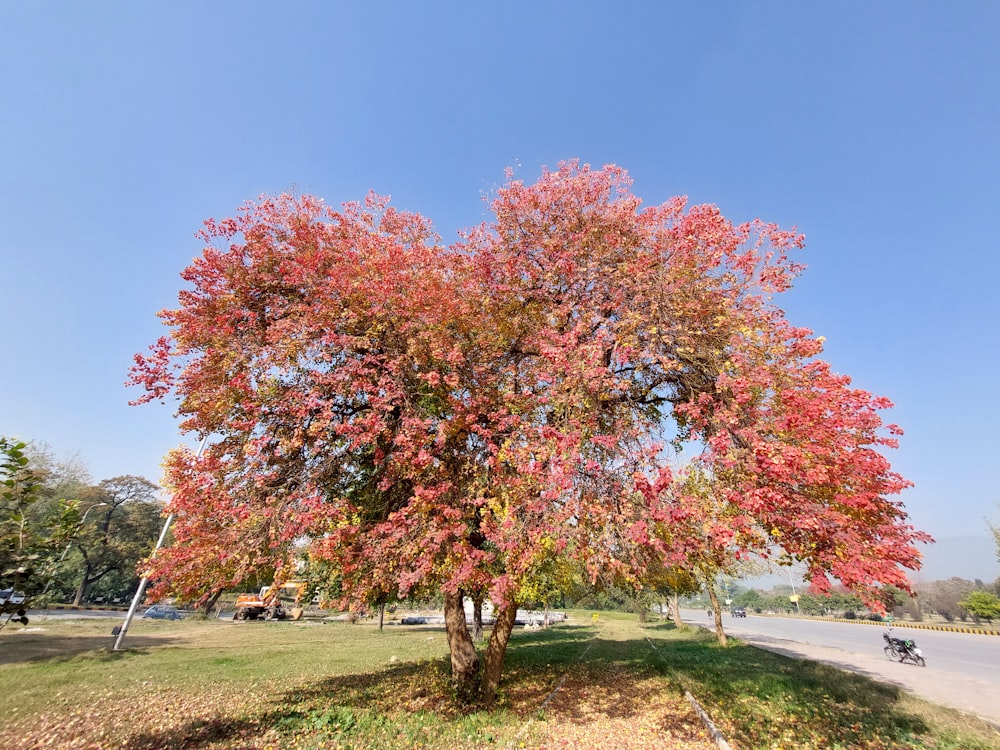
963	670
40	615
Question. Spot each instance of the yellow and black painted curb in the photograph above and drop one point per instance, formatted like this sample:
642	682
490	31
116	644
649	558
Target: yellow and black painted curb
915	625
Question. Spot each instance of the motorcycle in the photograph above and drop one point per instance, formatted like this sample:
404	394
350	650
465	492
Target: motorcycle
902	649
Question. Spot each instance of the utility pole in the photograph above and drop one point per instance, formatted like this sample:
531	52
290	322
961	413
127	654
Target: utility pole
123	628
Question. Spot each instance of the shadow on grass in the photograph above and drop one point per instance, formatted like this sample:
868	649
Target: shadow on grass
612	680
402	705
36	647
557	645
758	697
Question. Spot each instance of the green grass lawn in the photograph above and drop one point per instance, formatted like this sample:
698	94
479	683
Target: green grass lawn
314	684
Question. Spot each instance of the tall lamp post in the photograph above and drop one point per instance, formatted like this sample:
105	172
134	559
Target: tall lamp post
795	595
123	628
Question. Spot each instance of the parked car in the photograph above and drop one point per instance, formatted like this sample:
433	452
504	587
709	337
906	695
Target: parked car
12	597
162	612
739	612
14	604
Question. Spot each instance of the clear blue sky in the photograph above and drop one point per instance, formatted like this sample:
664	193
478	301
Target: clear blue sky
873	127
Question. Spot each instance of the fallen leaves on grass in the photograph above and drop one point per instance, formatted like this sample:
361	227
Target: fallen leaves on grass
403	706
618	709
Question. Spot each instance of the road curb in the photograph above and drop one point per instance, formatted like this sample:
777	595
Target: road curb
914	625
717	736
720	741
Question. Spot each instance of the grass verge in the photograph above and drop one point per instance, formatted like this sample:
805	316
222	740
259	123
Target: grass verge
764	700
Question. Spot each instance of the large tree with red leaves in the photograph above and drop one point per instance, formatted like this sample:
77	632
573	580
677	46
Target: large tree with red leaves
431	418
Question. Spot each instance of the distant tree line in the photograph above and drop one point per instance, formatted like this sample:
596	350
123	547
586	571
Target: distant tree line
954	600
65	538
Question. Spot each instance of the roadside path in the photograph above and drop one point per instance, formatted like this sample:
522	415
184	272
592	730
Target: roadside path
975	696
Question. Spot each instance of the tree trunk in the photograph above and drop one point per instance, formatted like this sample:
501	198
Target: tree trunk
477	618
464	659
81	590
717	612
675	610
503	624
381	616
211	602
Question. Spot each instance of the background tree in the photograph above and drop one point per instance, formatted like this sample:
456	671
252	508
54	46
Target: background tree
982	605
110	534
708	538
60	476
907	604
843	602
945	597
124	517
444	418
750	599
551	579
670	583
29	542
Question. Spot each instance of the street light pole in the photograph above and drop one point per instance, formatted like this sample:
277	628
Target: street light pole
795	596
123	628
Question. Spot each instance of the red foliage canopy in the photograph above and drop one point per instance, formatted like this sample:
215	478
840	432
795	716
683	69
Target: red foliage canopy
426	416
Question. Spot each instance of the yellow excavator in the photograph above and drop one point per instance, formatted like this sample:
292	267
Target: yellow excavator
276	602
